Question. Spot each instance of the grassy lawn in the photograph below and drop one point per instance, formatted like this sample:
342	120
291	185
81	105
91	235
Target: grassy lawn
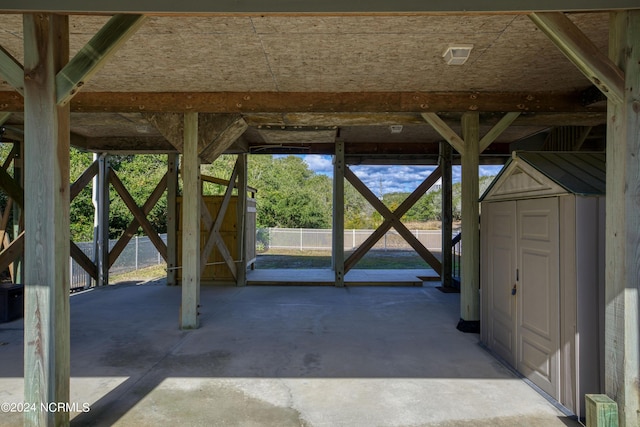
142	274
375	259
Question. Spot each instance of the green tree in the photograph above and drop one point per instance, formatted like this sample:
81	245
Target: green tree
81	213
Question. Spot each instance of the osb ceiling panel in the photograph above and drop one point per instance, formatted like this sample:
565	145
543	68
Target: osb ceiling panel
327	54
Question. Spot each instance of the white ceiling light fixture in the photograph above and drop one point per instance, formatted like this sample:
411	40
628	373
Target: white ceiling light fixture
457	54
395	128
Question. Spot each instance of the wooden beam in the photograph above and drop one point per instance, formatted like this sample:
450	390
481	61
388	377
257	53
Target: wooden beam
95	54
12	251
124	144
445	131
470	261
214	238
317	102
102	204
216	132
226	183
622	318
83	180
241	220
333	7
11	187
337	250
46	252
11	70
4	116
17	268
83	261
132	228
392	219
573	43
446	161
225	139
497	130
172	218
191	201
138	213
4	223
11	156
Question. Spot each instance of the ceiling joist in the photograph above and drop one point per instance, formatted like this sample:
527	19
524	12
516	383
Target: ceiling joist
585	55
95	54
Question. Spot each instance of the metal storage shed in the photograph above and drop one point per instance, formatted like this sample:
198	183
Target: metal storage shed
542	271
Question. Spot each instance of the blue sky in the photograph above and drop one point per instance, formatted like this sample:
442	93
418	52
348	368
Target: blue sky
389	179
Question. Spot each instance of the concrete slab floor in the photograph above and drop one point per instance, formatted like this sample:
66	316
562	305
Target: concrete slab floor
279	356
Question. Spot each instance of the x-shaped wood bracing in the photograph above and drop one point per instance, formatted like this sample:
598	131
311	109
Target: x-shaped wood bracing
11	250
214	238
76	253
392	219
139	217
79	256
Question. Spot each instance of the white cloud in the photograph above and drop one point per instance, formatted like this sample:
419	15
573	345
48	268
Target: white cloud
490	170
319	164
389	179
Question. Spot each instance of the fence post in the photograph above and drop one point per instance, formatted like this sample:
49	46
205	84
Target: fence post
353	240
136	252
301	240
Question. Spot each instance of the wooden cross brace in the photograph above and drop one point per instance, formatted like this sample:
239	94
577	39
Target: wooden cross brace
139	217
214	238
392	219
11	250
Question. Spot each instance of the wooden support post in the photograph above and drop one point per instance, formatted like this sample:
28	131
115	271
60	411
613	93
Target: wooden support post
18	263
101	223
191	199
446	159
623	223
46	290
470	262
601	411
338	214
172	224
241	214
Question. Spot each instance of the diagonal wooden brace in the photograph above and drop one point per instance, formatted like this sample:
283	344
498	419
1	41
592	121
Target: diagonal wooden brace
392	219
138	213
214	238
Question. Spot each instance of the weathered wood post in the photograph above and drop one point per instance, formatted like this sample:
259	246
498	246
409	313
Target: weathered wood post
46	316
191	199
622	323
446	155
338	214
470	260
172	226
241	217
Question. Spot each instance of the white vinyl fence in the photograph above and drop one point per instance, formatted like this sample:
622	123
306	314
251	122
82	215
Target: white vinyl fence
314	239
139	253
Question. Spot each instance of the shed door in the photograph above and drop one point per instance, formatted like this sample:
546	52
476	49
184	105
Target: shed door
538	293
500	277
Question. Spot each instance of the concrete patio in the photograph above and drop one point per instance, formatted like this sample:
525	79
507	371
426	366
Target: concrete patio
280	356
